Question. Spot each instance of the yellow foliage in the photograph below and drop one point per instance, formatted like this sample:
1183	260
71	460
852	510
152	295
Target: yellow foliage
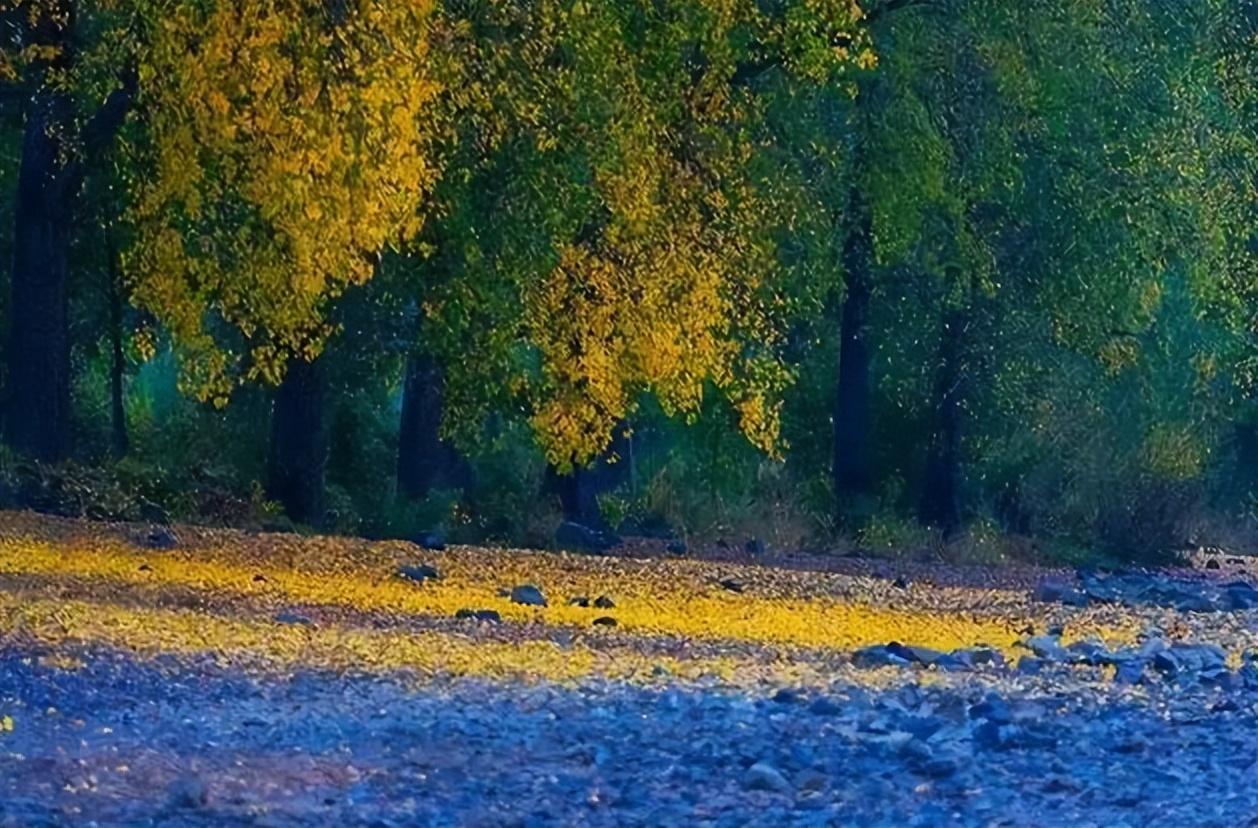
283	151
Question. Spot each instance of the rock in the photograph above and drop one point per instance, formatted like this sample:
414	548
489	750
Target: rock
878	656
823	706
732	585
993	709
578	601
1190	659
755	546
787	696
1089	652
259	578
145	568
900	583
418	574
605	621
762	776
186	792
433	540
675	547
1030	666
1060	593
529	595
603	602
478	615
289	617
582	538
159	537
1129	672
925	655
1048	647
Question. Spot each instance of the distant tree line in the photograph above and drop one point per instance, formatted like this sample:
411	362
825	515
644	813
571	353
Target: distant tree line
902	271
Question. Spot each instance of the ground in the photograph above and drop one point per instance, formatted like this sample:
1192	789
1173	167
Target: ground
175	676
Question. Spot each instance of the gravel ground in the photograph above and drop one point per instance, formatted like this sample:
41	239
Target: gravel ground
102	739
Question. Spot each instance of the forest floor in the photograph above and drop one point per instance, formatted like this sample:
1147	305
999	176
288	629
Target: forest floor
189	677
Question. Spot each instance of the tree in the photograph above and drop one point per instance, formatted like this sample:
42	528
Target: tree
62	127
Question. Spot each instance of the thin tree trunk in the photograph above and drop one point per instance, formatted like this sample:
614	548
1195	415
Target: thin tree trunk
422	456
852	472
941	494
38	412
119	441
297	459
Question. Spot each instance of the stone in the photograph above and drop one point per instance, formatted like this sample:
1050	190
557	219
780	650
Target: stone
1130	671
811	780
1048	647
582	538
418	574
824	706
294	618
900	582
1089	652
603	602
993	709
762	776
578	601
159	537
732	585
877	656
186	792
478	615
529	595
605	621
787	696
1030	666
152	513
1059	593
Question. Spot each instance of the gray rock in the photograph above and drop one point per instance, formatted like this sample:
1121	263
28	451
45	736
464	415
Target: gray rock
878	656
529	595
1030	665
418	574
604	621
1060	593
578	601
732	585
603	602
824	706
289	617
159	537
762	776
186	792
478	615
1048	647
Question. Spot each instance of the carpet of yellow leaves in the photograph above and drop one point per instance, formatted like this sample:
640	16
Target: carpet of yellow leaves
783	621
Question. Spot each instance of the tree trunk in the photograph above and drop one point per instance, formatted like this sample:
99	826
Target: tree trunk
853	476
119	442
297	459
941	493
423	460
38	411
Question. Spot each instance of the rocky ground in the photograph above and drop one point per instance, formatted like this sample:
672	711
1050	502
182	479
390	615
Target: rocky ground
212	680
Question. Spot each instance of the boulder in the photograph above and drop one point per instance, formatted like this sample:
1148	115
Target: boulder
528	595
762	776
418	573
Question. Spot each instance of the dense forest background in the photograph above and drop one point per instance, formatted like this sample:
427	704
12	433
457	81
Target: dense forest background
962	277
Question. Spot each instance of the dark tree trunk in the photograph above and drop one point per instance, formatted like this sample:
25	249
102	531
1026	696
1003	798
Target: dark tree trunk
578	496
579	489
423	459
297	459
941	493
119	442
38	413
853	475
